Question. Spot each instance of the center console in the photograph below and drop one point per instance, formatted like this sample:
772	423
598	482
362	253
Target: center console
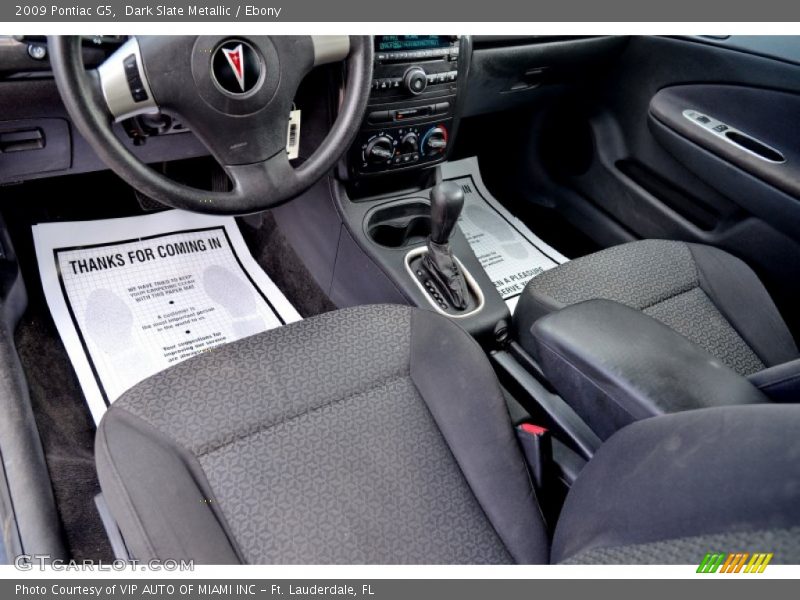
383	229
614	365
401	243
412	107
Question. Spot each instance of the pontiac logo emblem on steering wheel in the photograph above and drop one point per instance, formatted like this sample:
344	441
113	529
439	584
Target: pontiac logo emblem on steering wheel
236	61
236	67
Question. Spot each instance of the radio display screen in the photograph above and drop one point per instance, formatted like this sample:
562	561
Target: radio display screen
389	43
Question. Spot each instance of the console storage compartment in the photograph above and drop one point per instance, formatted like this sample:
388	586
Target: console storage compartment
615	365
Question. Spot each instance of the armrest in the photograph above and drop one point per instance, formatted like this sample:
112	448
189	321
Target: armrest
615	365
780	383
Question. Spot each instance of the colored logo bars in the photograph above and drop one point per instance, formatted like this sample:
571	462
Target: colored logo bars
737	562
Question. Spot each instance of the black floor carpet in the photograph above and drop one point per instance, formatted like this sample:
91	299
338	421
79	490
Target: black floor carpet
273	252
554	229
505	174
67	432
65	425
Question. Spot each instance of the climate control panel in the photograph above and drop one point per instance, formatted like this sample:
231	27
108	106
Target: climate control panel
395	148
412	111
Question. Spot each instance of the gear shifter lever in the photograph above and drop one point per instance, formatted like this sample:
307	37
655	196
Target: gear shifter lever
447	200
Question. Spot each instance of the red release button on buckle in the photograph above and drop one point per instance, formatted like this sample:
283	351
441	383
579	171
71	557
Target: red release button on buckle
533	429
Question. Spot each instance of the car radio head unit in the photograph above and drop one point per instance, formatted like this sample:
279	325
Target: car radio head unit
412	104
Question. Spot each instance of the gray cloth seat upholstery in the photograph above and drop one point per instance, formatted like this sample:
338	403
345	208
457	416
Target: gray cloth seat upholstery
668	489
370	435
707	295
380	434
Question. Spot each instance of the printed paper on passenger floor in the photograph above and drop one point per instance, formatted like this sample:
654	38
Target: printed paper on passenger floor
509	252
134	296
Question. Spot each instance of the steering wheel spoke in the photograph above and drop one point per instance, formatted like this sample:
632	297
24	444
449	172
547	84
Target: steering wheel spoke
124	83
330	48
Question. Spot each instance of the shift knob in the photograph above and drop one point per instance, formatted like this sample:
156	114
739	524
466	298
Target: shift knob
447	200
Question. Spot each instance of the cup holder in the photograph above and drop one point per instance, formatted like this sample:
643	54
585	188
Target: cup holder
400	225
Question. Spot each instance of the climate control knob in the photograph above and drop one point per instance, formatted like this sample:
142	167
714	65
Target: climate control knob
409	144
435	141
415	80
379	150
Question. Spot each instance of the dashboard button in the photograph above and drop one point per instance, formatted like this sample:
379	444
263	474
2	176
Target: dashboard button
37	51
379	116
441	108
415	80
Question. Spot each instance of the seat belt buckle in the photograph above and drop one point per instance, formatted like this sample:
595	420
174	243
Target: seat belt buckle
538	450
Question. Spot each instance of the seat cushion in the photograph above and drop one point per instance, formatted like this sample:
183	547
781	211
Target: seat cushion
703	293
669	489
370	435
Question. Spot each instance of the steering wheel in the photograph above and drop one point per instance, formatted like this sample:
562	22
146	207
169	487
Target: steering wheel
234	92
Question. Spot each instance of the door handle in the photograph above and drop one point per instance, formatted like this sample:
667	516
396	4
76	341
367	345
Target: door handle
733	136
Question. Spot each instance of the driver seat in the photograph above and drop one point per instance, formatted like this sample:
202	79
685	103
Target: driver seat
379	434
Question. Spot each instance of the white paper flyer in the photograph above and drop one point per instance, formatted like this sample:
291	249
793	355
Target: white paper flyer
134	296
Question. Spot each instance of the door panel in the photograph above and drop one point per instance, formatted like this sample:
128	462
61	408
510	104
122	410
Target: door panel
660	174
754	129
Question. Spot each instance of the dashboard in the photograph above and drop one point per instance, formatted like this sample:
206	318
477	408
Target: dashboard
423	86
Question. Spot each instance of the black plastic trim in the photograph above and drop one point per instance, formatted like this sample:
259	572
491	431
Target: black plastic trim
30	521
559	416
